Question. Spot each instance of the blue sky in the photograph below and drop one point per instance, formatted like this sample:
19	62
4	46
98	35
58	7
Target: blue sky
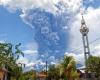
13	29
93	3
45	31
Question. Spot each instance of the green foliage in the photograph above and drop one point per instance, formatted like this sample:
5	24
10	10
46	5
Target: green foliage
66	69
93	64
53	72
8	58
30	75
18	51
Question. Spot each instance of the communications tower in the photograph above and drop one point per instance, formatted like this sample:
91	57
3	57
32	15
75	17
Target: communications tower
84	31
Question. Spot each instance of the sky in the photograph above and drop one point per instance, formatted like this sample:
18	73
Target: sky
49	29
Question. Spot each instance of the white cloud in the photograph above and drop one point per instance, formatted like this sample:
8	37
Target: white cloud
2	41
53	63
29	4
30	65
92	18
96	50
34	63
97	47
79	58
22	60
40	62
31	55
48	5
31	46
30	52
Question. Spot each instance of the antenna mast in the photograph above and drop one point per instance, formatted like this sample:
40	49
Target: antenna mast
84	31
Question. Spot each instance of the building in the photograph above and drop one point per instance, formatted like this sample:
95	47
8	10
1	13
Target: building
3	74
41	75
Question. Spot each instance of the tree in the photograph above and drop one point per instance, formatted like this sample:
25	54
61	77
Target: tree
29	75
53	72
8	57
65	69
68	68
93	65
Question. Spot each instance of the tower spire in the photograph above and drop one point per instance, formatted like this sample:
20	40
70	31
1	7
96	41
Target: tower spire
82	21
84	31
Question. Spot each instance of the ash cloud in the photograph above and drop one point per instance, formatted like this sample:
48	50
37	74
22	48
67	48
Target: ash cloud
51	31
50	20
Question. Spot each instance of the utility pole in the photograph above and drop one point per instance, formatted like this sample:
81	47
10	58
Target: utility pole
84	31
46	69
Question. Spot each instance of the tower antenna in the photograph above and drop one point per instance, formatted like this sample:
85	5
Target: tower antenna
84	31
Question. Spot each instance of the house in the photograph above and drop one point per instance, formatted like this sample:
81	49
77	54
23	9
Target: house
3	74
42	75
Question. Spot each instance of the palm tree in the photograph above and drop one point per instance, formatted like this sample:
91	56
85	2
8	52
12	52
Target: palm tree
68	68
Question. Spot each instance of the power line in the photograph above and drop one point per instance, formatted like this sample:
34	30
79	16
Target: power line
73	50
